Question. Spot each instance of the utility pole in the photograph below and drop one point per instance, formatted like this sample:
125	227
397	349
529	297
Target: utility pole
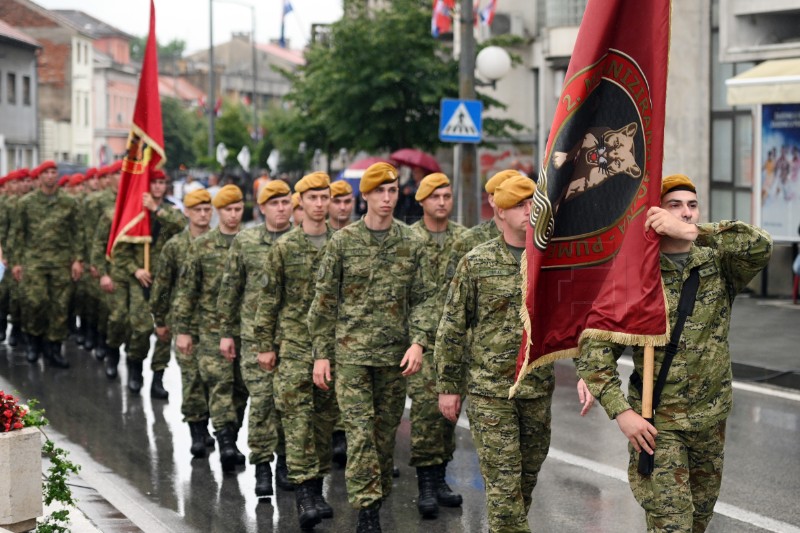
466	91
211	103
255	103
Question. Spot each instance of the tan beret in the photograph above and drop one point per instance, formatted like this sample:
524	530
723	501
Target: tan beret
499	178
200	196
340	188
679	182
315	180
229	194
273	189
295	200
513	190
376	175
430	183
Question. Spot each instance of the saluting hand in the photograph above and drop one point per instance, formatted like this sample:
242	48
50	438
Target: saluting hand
665	223
639	431
412	360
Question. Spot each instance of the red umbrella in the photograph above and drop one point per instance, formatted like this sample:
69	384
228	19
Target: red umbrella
416	158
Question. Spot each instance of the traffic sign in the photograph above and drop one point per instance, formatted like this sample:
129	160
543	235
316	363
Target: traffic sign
460	121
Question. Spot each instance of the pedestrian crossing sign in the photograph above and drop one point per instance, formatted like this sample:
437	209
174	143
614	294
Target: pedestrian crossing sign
460	121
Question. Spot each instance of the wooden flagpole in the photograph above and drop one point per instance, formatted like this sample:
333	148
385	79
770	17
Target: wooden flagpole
647	382
147	268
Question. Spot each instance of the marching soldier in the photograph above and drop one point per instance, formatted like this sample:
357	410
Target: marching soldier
512	436
340	211
307	412
371	314
47	254
297	209
194	404
245	278
688	436
433	438
196	315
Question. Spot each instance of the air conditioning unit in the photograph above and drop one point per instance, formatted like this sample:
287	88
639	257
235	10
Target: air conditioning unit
508	23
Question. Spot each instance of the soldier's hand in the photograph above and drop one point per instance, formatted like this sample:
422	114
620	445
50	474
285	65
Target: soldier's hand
143	277
107	284
266	360
412	360
322	373
148	202
665	223
227	347
17	272
77	270
639	431
163	333
94	272
450	406
585	397
184	344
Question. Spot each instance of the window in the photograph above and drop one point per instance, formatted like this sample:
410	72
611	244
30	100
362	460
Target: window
26	90
86	110
78	53
11	88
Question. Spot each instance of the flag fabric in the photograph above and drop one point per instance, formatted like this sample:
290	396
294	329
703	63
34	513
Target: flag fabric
287	8
486	15
589	268
442	18
131	222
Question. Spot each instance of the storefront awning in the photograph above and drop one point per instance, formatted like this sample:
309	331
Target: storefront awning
772	82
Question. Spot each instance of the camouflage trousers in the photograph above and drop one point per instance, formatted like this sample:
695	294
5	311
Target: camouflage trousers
194	405
161	355
5	296
680	494
264	430
433	437
308	414
371	399
129	321
227	394
512	438
45	302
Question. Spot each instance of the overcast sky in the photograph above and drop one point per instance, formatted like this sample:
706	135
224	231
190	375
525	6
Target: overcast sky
188	19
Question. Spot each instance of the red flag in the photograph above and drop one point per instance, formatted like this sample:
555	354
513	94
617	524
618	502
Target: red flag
589	268
442	18
145	152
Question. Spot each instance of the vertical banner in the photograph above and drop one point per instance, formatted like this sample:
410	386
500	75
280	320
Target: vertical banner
589	268
780	171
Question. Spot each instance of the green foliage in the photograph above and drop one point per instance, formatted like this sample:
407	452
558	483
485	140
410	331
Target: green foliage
56	488
180	127
285	130
170	51
34	417
232	130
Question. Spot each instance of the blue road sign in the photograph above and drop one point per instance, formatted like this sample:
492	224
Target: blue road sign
460	121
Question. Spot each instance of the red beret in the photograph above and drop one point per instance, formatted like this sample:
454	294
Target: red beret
157	175
47	164
24	173
16	175
63	180
3	180
114	167
75	180
91	172
34	173
102	171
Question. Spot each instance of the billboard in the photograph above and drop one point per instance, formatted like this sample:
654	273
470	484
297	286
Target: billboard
779	173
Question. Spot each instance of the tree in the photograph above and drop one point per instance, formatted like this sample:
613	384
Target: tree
231	129
169	52
180	125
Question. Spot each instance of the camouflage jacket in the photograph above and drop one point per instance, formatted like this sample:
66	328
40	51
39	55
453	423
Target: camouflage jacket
198	286
439	256
8	205
46	231
469	239
698	391
373	299
165	280
97	256
97	203
485	297
285	301
243	282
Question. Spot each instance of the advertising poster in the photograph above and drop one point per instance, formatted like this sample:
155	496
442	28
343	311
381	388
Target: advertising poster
780	170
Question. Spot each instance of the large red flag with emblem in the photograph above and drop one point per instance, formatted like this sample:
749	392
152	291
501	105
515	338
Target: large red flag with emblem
131	221
590	269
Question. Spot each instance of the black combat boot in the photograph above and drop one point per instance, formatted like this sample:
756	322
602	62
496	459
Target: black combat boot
263	480
210	441
33	349
339	448
15	336
307	513
90	337
240	458
444	494
395	472
112	361
80	334
323	508
426	482
226	438
102	348
157	389
3	328
282	474
369	519
56	357
198	430
135	378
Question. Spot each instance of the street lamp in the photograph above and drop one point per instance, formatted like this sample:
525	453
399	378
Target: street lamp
493	63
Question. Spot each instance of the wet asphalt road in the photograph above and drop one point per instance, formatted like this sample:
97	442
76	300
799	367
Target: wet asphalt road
136	450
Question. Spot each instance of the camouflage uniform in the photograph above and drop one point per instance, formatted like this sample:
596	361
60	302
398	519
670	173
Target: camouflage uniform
697	397
46	239
433	438
243	282
308	413
194	405
196	313
512	437
130	321
469	239
97	204
373	300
